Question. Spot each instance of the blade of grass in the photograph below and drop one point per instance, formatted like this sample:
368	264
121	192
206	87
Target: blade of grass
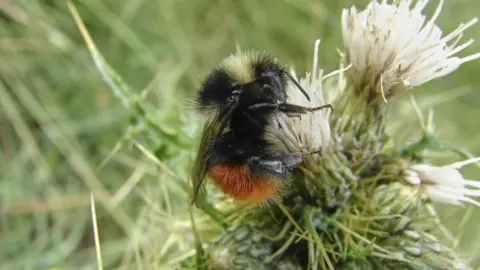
129	99
98	250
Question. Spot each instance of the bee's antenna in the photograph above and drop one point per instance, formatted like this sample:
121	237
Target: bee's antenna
297	85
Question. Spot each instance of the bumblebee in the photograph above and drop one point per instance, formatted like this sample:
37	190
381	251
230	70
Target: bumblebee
238	99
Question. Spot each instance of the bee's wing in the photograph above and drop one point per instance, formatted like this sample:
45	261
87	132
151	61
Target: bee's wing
212	129
200	167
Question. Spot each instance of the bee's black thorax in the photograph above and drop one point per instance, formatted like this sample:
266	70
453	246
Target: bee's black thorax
261	80
268	87
233	148
239	86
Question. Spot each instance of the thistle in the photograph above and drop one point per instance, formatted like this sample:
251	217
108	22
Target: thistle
364	201
358	204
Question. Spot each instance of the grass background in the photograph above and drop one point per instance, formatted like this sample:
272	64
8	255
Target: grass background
59	121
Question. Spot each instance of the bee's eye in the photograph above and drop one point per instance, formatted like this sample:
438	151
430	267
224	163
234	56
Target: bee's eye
233	97
265	83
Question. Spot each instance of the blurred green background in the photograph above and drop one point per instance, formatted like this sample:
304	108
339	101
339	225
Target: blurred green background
59	121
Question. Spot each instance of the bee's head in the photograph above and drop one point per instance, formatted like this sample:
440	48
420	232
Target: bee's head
245	78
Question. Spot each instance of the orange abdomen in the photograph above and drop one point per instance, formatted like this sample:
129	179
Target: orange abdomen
238	182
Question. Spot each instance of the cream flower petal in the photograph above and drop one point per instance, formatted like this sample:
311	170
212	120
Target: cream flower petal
391	46
445	184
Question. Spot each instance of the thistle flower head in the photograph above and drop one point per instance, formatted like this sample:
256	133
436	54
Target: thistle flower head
309	132
445	184
391	46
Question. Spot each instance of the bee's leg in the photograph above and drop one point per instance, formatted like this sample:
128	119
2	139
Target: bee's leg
292	161
260	106
287	108
297	109
277	166
252	119
318	151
